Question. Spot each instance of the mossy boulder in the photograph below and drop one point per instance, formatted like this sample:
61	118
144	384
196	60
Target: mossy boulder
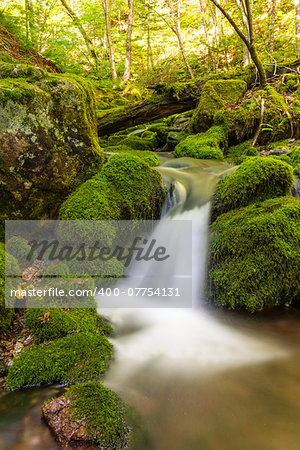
215	95
242	121
73	358
89	413
49	141
255	255
48	324
148	157
238	153
203	145
126	188
256	179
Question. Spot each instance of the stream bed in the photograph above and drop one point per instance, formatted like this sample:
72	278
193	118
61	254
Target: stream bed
201	379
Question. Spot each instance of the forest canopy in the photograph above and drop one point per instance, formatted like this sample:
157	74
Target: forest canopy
152	40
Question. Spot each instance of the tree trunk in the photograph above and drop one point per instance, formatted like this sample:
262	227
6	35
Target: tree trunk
127	71
246	55
272	25
106	7
29	20
297	27
248	41
77	23
176	30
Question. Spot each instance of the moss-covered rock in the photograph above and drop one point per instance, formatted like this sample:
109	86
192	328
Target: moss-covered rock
6	314
89	412
48	324
161	131
148	157
242	122
49	140
73	358
238	153
126	188
203	145
256	179
215	95
255	255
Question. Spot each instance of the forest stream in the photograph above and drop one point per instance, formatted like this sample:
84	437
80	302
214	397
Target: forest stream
200	378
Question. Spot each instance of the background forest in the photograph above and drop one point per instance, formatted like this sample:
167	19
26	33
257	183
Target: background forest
151	41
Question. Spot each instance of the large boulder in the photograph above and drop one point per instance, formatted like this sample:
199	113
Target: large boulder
126	188
215	95
48	139
256	179
206	145
255	255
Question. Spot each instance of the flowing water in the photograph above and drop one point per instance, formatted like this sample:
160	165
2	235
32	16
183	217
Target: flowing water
201	379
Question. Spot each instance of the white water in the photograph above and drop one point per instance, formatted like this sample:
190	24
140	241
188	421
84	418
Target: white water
183	341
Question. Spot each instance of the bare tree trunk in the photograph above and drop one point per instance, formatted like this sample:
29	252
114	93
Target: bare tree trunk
127	71
29	20
246	55
297	26
77	23
248	41
272	25
176	29
106	7
215	38
205	27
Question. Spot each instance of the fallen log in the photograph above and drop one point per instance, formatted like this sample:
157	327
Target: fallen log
163	103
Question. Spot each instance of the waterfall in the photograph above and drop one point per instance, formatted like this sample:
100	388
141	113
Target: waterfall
183	340
295	192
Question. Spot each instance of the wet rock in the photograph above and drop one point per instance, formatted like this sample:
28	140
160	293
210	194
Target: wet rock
48	140
57	415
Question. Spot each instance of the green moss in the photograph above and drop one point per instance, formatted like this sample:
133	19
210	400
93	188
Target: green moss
255	256
103	412
257	179
215	95
204	145
73	358
161	131
48	324
238	153
19	248
6	314
17	70
241	123
292	157
297	170
126	188
18	90
139	143
289	83
105	327
148	157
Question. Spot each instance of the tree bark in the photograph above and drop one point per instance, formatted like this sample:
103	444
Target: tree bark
272	25
77	23
106	7
249	42
127	71
176	29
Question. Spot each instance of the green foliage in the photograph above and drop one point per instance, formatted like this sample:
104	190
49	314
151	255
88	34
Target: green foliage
215	95
204	145
75	357
256	179
255	255
297	170
126	188
49	324
103	412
